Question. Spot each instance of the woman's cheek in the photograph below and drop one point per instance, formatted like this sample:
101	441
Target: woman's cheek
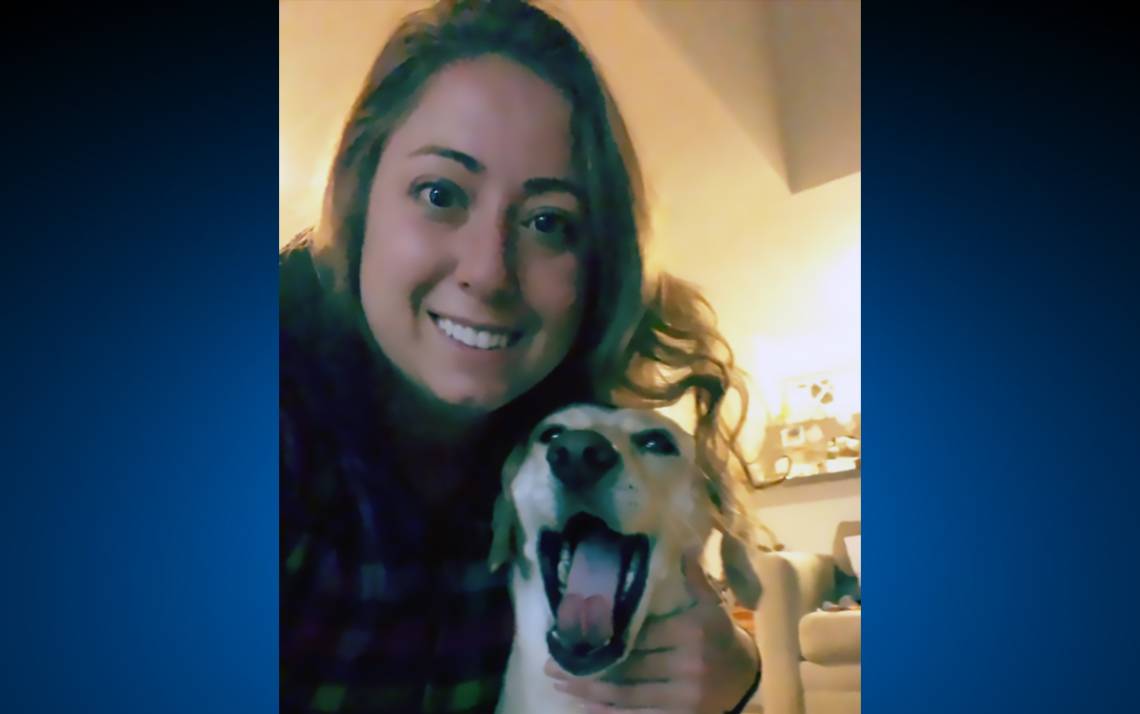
553	287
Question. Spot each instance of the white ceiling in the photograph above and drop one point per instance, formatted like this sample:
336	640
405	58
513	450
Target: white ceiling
788	72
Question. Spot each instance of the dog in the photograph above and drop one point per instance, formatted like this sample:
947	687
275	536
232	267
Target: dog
597	507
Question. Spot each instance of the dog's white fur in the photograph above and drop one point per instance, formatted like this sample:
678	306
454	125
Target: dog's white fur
664	497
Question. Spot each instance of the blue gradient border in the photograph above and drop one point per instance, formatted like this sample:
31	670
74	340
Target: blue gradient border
999	304
139	511
138	453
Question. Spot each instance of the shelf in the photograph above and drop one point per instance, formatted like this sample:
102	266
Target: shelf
823	478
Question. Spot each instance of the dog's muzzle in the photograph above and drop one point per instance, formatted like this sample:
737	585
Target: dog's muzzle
579	458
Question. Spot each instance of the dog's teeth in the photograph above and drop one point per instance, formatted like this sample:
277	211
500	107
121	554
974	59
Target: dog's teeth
564	565
631	572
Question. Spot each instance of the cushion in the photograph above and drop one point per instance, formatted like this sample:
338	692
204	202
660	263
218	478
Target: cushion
822	702
831	678
831	637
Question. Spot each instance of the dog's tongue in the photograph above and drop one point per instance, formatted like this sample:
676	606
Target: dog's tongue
586	613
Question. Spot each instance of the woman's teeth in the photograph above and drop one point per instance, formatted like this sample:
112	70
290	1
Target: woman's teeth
479	339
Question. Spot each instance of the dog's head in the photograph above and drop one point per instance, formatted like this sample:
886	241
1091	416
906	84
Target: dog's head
600	504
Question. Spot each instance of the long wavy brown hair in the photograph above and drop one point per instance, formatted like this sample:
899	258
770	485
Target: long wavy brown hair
645	342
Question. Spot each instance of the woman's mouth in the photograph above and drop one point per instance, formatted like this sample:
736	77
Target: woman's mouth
476	336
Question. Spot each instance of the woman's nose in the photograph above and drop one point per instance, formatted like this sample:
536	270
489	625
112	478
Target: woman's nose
485	261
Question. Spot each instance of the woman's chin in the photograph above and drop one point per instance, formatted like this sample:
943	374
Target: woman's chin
452	401
473	403
471	398
476	396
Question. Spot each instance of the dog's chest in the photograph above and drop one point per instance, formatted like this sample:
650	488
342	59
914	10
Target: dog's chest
527	689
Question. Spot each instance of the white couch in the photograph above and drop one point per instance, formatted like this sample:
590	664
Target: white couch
811	660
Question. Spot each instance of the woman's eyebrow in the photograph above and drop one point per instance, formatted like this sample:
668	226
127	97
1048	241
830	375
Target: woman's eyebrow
537	186
532	187
466	160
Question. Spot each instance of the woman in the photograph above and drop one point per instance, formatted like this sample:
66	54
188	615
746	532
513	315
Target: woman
477	265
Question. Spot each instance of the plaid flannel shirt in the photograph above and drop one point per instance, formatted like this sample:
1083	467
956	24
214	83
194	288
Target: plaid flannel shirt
383	608
386	605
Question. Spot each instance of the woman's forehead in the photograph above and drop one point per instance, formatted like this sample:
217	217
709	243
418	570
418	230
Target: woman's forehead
505	117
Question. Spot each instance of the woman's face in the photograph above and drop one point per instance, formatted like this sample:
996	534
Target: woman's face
471	266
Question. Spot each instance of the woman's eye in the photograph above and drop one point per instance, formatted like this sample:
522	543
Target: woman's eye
548	223
553	228
439	195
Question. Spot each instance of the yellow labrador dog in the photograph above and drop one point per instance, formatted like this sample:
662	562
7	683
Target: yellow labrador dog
597	507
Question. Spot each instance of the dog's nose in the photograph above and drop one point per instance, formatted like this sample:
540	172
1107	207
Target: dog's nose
580	458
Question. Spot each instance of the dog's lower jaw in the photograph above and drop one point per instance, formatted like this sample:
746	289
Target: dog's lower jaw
526	687
667	591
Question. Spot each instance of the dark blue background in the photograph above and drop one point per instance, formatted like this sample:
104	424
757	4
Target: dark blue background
1000	280
139	452
138	361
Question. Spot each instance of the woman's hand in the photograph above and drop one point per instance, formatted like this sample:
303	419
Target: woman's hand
695	661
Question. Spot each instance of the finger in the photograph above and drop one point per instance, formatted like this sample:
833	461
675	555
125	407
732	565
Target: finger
553	671
667	633
647	695
640	667
695	579
657	666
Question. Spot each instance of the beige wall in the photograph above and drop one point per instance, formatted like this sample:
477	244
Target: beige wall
805	516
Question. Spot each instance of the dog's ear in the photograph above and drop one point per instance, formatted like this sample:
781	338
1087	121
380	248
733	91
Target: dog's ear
503	525
505	519
736	554
736	546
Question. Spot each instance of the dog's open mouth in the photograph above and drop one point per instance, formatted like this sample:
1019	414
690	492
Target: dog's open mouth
594	578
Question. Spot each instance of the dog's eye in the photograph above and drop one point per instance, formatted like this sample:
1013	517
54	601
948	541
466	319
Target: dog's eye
656	441
549	433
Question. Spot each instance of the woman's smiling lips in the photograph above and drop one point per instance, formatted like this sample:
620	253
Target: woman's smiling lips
484	337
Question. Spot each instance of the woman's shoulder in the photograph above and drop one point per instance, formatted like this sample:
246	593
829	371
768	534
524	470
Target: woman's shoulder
303	392
299	324
322	363
299	283
307	316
